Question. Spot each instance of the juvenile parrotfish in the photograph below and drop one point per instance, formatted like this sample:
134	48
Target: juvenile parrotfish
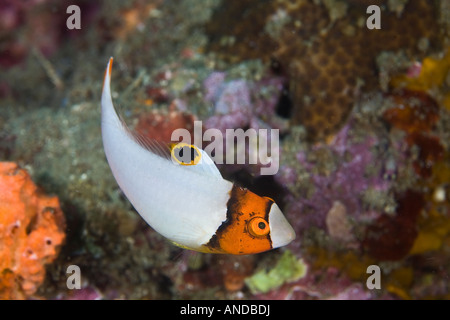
191	205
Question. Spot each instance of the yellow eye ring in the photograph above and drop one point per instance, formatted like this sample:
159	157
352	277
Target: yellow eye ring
185	154
258	227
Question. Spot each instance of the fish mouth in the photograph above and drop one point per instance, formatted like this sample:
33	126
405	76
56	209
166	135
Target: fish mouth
281	231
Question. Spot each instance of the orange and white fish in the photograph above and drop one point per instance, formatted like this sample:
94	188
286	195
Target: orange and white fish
191	205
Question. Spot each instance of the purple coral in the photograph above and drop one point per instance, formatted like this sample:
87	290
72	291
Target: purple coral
345	184
213	85
241	103
233	106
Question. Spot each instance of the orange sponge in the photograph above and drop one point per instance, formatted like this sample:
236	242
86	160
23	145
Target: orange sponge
31	232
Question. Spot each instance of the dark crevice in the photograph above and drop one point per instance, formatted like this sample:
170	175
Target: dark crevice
284	104
265	186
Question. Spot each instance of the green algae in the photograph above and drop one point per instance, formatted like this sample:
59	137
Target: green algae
287	269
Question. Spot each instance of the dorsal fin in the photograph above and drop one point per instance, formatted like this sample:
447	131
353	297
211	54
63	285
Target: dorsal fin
157	147
205	166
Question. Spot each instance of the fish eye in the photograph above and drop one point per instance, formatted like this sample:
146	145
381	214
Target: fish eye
185	154
258	227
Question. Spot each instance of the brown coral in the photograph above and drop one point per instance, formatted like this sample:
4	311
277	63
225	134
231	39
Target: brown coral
391	238
414	111
327	56
417	113
31	232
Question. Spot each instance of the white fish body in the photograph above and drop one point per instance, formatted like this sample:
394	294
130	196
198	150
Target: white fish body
185	205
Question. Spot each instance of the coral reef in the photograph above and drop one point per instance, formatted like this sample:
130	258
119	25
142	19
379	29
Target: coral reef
342	172
245	104
212	276
391	238
364	164
56	135
328	277
325	50
242	103
31	233
384	211
159	126
34	25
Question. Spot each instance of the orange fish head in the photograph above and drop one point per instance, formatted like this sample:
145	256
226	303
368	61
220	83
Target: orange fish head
254	224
